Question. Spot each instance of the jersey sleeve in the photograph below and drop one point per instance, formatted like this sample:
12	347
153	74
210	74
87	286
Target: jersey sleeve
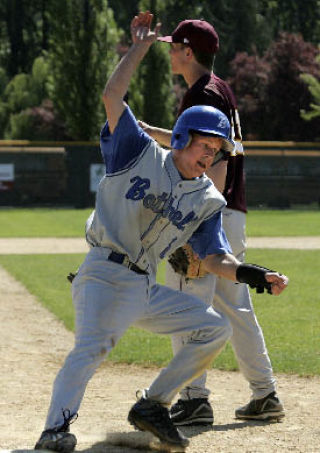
210	238
122	147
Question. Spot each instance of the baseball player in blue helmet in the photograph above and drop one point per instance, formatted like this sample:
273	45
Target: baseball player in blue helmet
205	120
150	202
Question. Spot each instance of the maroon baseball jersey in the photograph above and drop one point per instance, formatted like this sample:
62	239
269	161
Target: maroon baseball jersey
211	90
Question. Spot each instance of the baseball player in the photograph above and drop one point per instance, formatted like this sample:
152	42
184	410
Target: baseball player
150	202
193	46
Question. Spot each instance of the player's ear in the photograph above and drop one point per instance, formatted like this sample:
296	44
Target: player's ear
188	52
189	140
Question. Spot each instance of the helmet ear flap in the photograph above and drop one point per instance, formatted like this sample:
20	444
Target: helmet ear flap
181	140
189	140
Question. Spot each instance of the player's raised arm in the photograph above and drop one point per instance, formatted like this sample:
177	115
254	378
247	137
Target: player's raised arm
118	83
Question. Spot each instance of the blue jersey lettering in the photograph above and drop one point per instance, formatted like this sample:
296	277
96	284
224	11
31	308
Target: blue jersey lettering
137	191
161	204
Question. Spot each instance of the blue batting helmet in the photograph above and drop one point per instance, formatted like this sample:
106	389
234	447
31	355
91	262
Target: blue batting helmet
205	119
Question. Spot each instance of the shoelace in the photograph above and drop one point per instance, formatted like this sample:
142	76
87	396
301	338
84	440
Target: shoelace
68	419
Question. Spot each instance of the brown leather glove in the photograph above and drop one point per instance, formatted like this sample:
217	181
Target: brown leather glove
185	262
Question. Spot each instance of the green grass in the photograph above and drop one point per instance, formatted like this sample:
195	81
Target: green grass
70	222
43	222
291	322
283	223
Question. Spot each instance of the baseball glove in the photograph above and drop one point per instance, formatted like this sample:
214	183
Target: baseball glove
186	263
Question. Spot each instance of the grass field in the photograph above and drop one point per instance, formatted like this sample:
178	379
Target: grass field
70	222
291	322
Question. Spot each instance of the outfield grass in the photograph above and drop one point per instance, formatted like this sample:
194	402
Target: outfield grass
70	222
283	223
291	322
43	222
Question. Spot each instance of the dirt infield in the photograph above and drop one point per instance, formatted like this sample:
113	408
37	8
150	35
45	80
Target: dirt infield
33	345
79	245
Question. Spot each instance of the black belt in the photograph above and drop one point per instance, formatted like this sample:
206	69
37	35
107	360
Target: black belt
123	259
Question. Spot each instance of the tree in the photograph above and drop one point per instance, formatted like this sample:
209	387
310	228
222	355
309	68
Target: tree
37	123
289	57
124	11
292	16
23	31
271	92
249	80
29	113
314	89
151	94
82	52
3	108
157	91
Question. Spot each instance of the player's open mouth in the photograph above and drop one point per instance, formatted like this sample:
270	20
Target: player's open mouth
201	164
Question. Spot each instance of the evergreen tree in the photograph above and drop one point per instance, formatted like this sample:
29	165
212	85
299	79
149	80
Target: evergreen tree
293	16
82	52
22	34
158	96
151	94
124	11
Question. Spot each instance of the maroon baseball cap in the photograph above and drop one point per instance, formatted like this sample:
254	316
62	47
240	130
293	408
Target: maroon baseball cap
198	34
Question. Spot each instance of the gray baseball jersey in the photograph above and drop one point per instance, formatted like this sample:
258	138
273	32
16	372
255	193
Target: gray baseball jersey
144	209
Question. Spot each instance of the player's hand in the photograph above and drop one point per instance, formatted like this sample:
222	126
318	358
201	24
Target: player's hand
141	29
145	126
278	282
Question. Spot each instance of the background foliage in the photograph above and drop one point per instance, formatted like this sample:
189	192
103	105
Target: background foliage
55	57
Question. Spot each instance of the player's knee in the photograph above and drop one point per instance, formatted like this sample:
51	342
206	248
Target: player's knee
94	351
221	331
217	333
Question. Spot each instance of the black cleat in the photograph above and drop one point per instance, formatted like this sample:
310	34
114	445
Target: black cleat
267	408
148	415
59	439
56	441
196	411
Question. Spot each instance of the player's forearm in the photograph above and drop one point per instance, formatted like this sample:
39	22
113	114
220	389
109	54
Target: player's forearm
218	174
162	136
222	265
118	83
255	276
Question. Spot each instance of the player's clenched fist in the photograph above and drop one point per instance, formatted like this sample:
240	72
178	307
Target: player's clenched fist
141	28
278	282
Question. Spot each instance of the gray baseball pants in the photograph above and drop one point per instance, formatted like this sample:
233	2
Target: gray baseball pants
234	301
108	298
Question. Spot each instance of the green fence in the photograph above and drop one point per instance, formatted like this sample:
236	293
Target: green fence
278	174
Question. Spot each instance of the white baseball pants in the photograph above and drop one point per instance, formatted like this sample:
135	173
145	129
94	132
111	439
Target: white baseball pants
108	298
234	301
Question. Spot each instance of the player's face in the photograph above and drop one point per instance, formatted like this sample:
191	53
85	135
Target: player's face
197	158
178	57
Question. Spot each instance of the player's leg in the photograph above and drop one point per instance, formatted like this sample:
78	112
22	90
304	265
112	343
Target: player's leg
104	310
193	406
206	332
247	338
